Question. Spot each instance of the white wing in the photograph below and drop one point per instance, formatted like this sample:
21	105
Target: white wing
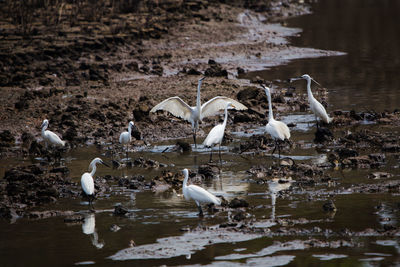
320	111
53	138
176	106
87	183
201	195
278	130
212	106
215	135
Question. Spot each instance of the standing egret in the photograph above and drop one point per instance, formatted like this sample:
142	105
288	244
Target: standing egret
125	137
49	136
316	107
277	129
198	194
87	181
177	107
216	134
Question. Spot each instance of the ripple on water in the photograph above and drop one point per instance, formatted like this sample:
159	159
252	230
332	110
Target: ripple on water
328	257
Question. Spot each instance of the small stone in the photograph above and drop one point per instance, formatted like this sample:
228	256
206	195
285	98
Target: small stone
329	206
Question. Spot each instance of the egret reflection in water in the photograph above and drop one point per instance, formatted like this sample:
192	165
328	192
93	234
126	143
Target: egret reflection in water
274	186
89	228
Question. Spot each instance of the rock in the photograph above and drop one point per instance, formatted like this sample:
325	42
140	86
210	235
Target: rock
7	137
379	175
208	170
238	203
322	135
240	216
346	152
119	210
389	147
193	71
114	228
329	206
74	219
182	146
141	112
248	93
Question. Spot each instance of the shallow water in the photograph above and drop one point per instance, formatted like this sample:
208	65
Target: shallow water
364	78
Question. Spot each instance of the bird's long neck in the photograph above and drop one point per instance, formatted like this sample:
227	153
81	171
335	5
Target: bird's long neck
93	165
226	117
185	181
198	101
44	129
130	129
309	93
270	114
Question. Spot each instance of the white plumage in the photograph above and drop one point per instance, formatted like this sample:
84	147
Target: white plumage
87	181
50	137
177	107
316	107
198	194
125	137
216	134
277	129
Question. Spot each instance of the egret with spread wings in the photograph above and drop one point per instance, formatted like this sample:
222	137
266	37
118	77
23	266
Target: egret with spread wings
177	107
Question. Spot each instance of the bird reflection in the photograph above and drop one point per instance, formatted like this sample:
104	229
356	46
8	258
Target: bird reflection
275	185
88	228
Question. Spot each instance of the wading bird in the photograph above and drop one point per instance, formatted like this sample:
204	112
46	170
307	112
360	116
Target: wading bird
177	107
50	137
125	137
316	107
87	181
216	134
277	129
198	194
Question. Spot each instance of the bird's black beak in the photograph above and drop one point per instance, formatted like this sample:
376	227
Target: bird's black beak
202	78
105	164
295	79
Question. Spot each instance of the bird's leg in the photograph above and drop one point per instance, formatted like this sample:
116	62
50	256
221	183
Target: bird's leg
194	138
220	159
274	149
316	119
211	154
279	149
91	203
200	211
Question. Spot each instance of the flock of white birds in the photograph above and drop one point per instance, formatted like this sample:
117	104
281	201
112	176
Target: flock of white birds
278	130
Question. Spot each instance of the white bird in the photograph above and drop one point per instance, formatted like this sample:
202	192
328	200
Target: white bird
49	136
87	181
216	134
277	129
125	137
198	194
275	186
316	107
177	107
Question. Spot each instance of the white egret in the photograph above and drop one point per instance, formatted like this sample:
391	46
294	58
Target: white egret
49	136
316	107
87	181
198	194
216	134
125	137
277	129
177	107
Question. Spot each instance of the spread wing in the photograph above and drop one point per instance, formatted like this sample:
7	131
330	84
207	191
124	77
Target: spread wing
214	105
176	106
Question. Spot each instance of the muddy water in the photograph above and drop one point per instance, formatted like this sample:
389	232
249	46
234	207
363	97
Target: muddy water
367	76
364	78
